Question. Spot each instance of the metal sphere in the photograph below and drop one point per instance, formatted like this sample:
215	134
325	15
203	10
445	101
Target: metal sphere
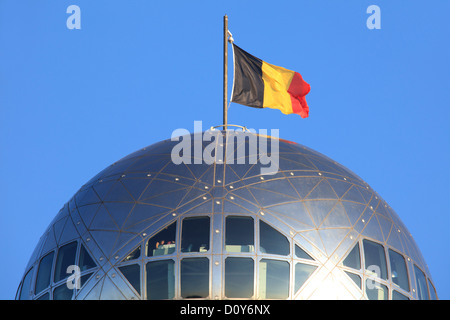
147	228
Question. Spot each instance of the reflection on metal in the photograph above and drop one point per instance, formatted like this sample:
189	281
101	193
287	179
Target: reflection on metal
315	211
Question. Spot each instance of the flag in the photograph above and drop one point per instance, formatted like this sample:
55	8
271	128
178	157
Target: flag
259	84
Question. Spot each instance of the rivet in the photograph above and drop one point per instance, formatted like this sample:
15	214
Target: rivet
291	173
219	181
262	213
97	276
216	263
149	174
409	259
113	275
345	178
371	207
231	197
262	178
116	257
206	187
88	239
217	202
367	187
363	220
351	237
174	214
231	187
177	179
291	233
398	230
101	259
123	176
217	231
144	234
319	173
100	180
204	198
78	222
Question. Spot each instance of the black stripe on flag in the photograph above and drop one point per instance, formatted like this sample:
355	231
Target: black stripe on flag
248	87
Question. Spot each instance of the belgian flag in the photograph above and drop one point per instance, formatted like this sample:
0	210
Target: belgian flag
259	84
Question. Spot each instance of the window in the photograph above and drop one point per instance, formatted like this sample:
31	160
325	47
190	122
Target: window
44	272
62	293
45	296
375	259
162	243
302	273
376	290
300	253
160	280
86	261
194	278
421	284
66	257
399	272
132	273
195	234
353	259
136	253
432	290
272	241
273	279
239	277
398	296
239	234
26	286
356	279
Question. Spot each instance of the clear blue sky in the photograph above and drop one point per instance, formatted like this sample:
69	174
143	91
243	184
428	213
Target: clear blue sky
74	101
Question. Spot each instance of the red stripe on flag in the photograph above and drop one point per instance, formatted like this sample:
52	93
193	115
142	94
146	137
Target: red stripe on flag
298	89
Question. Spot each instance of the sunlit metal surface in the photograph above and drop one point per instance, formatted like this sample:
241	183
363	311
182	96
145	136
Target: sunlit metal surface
305	220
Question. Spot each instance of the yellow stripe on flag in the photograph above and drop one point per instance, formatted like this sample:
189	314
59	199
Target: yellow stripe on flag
276	84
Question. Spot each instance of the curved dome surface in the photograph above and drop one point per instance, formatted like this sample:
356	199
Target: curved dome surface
147	228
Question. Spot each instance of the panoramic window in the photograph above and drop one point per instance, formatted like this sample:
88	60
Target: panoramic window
356	279
239	234
195	234
300	253
44	272
273	279
194	278
66	258
160	280
398	296
421	284
399	272
62	293
272	241
432	290
86	261
163	242
239	277
353	259
136	253
26	286
132	273
376	290
375	259
302	273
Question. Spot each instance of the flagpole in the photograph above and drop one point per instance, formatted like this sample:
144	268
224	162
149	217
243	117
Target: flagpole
225	71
